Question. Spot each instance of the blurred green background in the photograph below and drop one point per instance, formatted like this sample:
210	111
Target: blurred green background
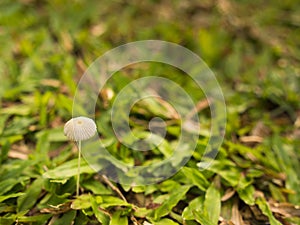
253	48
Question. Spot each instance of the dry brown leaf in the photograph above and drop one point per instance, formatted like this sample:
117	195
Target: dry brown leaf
202	104
98	29
260	130
285	209
67	41
228	194
19	151
51	83
247	139
236	217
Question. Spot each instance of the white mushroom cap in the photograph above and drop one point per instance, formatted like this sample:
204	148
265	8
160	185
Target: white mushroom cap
80	128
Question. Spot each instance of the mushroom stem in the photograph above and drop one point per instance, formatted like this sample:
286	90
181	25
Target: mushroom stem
78	168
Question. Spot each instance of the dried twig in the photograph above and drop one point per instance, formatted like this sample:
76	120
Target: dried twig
113	187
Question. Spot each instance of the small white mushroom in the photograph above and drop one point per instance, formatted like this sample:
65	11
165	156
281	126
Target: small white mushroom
80	128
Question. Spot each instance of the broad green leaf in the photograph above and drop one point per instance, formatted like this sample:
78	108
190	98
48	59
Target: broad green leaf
164	147
149	189
10	139
169	185
254	173
81	218
277	193
6	208
43	108
247	194
191	222
64	102
8	184
288	161
4	151
160	199
212	204
3	119
54	135
167	206
194	205
82	202
139	189
101	216
202	218
42	148
21	110
14	195
164	222
118	219
142	212
9	170
210	42
54	202
196	177
109	201
66	219
68	169
227	170
18	126
38	219
174	130
293	182
7	221
96	187
267	158
265	208
31	195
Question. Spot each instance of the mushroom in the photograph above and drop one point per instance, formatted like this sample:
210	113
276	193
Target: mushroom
78	129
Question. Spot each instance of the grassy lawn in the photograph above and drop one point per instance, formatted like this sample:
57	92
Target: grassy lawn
252	48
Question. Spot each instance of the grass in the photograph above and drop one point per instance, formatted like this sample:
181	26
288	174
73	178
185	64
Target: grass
254	51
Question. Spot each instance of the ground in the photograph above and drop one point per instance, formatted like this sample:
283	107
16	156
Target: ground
251	47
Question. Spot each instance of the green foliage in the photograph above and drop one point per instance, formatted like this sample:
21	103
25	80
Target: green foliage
45	47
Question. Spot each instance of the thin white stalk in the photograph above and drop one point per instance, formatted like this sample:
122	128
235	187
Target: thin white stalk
78	168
